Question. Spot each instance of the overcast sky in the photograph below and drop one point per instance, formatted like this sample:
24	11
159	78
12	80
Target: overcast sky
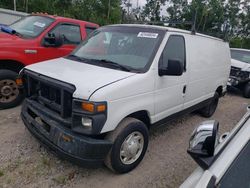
140	2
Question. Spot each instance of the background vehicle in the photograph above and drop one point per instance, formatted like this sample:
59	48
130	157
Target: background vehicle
33	39
223	165
8	17
240	71
118	83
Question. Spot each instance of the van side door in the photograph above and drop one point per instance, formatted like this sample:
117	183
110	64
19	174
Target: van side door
170	90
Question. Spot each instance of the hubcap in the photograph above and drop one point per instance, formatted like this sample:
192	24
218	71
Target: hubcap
131	148
8	91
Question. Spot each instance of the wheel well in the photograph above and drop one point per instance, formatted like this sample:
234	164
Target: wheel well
219	90
11	65
141	115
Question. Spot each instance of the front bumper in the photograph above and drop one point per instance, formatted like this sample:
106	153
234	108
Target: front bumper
74	147
234	81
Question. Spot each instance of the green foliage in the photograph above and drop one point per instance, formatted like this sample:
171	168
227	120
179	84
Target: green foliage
98	11
1	173
152	9
239	42
221	18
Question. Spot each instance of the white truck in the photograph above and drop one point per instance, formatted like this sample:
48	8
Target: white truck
98	103
224	162
8	17
240	71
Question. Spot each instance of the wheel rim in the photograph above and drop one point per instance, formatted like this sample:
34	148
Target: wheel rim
131	148
8	91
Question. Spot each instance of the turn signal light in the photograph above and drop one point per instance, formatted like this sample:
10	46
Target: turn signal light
93	107
88	107
19	81
101	108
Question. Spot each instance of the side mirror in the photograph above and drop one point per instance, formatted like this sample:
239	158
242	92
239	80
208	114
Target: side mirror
53	40
203	142
174	68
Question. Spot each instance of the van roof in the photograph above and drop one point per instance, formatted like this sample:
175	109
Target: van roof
171	29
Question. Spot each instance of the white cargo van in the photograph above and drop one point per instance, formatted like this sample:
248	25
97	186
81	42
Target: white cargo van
98	103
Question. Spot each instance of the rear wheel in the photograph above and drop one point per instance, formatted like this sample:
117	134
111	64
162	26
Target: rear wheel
246	92
130	141
209	110
10	96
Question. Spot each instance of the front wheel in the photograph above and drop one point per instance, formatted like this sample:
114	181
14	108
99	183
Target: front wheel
130	142
209	110
10	96
246	92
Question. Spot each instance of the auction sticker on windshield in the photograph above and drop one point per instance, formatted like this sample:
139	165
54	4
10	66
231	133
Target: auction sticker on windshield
39	24
147	35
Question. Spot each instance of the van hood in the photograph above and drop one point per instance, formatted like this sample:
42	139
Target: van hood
85	77
239	64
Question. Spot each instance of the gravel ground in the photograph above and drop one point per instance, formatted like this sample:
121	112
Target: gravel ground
24	163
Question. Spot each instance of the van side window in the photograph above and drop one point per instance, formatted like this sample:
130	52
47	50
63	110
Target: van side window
71	33
174	50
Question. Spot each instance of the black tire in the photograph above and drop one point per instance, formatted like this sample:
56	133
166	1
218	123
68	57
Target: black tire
209	110
127	127
246	92
15	100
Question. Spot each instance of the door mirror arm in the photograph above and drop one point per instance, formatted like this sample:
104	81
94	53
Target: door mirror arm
53	40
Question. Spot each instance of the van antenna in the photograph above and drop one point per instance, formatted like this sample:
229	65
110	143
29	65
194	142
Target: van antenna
193	30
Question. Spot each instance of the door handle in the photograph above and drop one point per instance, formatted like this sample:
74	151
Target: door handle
184	89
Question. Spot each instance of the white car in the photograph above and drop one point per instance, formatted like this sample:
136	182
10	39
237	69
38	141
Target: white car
240	70
97	104
224	162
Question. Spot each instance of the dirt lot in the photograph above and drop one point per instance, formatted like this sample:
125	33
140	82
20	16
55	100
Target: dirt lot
24	163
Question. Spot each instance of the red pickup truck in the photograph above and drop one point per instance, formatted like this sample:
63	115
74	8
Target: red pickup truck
35	38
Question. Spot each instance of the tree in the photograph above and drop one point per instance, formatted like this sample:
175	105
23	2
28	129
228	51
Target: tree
152	10
99	11
175	9
245	19
232	16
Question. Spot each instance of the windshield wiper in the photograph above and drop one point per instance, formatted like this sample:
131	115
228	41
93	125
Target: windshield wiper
113	64
100	61
75	57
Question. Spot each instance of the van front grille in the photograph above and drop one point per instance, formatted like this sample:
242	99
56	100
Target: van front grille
52	94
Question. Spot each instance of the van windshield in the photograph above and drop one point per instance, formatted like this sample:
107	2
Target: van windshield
241	55
120	47
32	26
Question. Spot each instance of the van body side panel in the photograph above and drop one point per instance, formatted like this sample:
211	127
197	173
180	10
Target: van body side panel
208	64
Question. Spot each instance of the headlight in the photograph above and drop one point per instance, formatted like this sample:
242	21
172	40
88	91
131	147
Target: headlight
88	117
87	122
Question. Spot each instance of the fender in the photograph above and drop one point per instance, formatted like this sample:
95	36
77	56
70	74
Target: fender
13	56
